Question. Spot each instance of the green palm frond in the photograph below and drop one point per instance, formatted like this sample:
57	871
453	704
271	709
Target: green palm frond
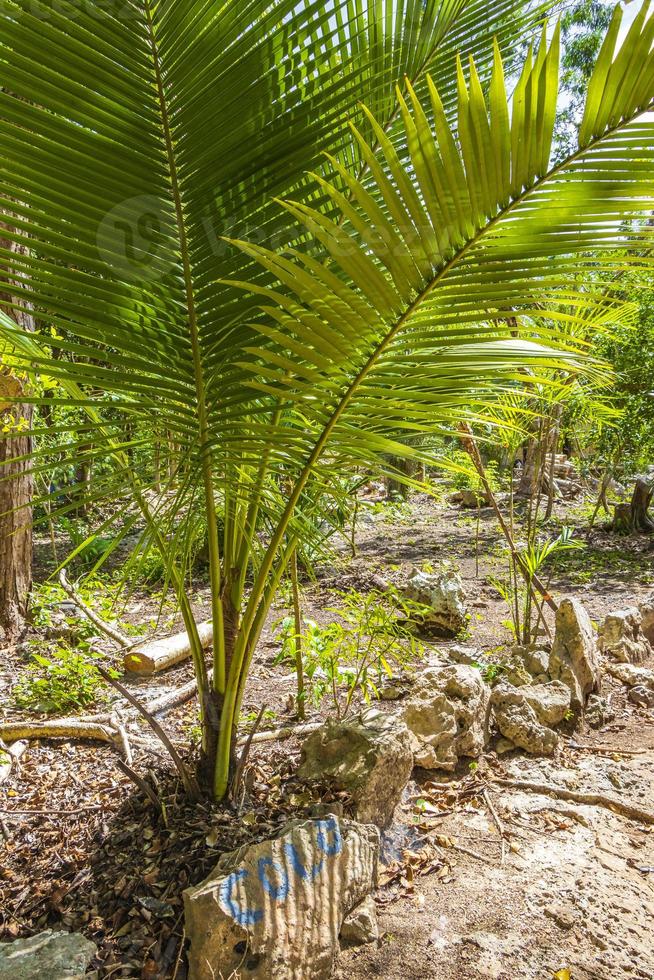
447	250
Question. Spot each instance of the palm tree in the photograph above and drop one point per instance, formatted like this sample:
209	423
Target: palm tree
381	308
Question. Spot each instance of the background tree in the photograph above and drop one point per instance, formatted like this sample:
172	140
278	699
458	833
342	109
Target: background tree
583	26
16	482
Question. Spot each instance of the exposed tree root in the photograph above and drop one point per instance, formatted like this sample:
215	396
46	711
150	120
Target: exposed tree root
279	734
590	799
496	820
606	749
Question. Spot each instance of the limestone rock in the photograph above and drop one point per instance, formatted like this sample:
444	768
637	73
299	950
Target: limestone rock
49	955
646	610
361	925
443	598
631	675
368	756
535	659
551	701
517	721
391	692
447	716
598	711
470	498
464	655
621	637
516	673
641	696
274	910
574	658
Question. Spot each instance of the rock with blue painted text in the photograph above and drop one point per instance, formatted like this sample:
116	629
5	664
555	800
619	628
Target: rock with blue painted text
273	910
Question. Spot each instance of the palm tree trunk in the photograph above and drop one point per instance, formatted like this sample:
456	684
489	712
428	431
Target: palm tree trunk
297	638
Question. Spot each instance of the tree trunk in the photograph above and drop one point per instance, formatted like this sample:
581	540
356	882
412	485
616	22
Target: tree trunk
634	516
409	467
640	501
528	476
16	484
83	481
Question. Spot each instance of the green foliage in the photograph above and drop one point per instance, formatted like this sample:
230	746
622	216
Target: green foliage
89	548
44	597
583	27
517	591
370	639
490	671
48	600
590	565
390	511
63	681
465	476
151	567
540	550
248	719
629	445
426	266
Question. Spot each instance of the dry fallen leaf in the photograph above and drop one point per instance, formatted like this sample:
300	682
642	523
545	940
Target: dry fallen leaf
563	974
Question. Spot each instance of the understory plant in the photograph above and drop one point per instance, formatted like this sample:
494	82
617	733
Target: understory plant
421	269
525	604
370	640
464	476
63	680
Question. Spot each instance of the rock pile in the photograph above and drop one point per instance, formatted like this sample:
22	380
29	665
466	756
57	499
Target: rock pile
639	680
622	637
279	909
561	469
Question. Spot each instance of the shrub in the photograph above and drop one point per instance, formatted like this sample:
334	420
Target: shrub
63	681
371	637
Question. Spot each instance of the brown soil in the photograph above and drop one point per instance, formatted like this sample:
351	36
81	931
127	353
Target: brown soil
569	893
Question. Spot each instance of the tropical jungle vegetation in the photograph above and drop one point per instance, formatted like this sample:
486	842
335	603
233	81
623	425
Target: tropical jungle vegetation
258	256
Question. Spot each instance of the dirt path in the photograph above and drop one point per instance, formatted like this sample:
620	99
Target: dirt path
575	890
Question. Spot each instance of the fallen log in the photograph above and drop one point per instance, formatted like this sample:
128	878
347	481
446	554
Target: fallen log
150	658
173	698
13	731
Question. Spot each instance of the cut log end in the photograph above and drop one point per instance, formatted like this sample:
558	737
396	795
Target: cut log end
150	658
